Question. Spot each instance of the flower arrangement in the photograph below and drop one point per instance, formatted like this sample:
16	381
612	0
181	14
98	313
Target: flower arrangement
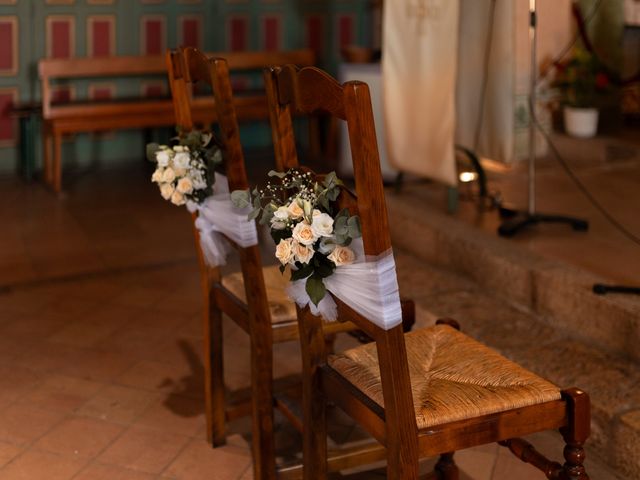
311	237
583	79
185	172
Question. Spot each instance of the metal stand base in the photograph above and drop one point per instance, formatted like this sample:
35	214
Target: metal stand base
516	220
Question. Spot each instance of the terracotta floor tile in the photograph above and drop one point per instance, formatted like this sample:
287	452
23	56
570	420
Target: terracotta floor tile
117	404
175	414
7	453
16	382
60	393
96	471
35	465
41	324
144	449
198	461
151	375
80	437
83	333
20	425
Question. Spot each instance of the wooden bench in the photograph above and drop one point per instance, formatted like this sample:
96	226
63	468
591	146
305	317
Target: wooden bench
102	115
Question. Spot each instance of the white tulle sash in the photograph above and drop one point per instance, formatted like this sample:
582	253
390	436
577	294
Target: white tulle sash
369	286
217	216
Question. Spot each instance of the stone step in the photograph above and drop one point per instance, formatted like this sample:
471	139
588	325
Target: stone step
559	294
528	338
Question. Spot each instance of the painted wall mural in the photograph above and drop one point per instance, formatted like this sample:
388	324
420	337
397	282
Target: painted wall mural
33	29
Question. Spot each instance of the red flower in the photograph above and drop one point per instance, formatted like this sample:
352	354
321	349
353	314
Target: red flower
602	80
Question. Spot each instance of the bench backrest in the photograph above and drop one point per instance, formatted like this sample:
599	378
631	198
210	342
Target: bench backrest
137	66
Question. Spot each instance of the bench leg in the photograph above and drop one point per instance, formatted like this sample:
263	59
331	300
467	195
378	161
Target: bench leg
47	145
57	163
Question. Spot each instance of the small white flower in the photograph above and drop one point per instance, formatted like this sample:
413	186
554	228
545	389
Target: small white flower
342	256
322	225
169	175
181	160
284	251
302	253
163	157
304	234
281	214
184	185
177	198
157	175
166	190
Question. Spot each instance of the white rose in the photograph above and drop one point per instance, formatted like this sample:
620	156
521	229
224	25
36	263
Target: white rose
157	175
179	148
284	251
169	175
281	214
166	190
177	198
198	181
342	256
184	185
304	234
295	211
162	157
302	253
181	160
278	225
322	225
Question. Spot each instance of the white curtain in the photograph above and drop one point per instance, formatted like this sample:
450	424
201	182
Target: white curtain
419	61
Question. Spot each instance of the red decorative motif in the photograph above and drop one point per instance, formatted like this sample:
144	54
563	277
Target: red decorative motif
8	47
153	36
315	33
271	32
238	34
191	34
345	30
60	38
7	122
102	40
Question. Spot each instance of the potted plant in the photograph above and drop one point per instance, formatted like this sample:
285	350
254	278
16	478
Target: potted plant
584	83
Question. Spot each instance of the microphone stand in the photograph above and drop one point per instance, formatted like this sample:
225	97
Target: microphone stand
517	220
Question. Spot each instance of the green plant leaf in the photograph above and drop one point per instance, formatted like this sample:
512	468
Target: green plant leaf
315	289
273	173
355	230
241	198
151	150
302	272
254	213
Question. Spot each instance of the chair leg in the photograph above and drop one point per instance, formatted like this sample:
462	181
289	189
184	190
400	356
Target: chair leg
575	434
214	377
446	468
262	442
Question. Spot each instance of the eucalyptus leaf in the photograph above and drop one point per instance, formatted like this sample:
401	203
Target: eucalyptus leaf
355	230
254	214
273	173
315	289
241	198
152	148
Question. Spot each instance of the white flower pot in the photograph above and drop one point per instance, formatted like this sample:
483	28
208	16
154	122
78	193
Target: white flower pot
581	122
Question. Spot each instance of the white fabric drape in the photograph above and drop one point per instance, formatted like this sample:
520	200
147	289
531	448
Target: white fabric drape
369	286
217	216
419	59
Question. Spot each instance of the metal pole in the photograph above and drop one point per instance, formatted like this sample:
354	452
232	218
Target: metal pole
532	105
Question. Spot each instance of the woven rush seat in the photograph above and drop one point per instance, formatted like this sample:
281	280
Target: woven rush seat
282	309
453	377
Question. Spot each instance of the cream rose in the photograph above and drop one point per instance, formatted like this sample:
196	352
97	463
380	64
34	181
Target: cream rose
284	251
322	225
342	256
157	175
281	214
295	211
181	160
166	190
185	185
302	253
162	157
177	198
304	234
169	175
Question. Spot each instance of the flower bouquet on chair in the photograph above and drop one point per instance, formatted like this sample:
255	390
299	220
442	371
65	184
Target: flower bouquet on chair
313	238
186	175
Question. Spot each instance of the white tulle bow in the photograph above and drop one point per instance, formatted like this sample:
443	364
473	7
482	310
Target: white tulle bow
369	286
217	216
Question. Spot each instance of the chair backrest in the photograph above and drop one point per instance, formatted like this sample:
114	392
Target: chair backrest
307	91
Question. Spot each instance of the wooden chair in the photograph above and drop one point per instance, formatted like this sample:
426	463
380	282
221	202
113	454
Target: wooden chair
430	392
254	298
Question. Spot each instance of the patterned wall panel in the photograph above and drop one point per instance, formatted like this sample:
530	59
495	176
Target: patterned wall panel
133	27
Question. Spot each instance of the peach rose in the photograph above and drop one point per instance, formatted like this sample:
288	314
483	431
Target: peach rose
295	210
284	251
302	253
342	256
304	234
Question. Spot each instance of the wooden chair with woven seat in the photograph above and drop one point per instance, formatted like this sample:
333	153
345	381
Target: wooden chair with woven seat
425	393
253	298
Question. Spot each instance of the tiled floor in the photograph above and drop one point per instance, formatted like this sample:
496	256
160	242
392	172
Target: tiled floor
100	344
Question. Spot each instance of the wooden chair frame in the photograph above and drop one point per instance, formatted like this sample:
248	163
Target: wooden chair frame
293	91
188	66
